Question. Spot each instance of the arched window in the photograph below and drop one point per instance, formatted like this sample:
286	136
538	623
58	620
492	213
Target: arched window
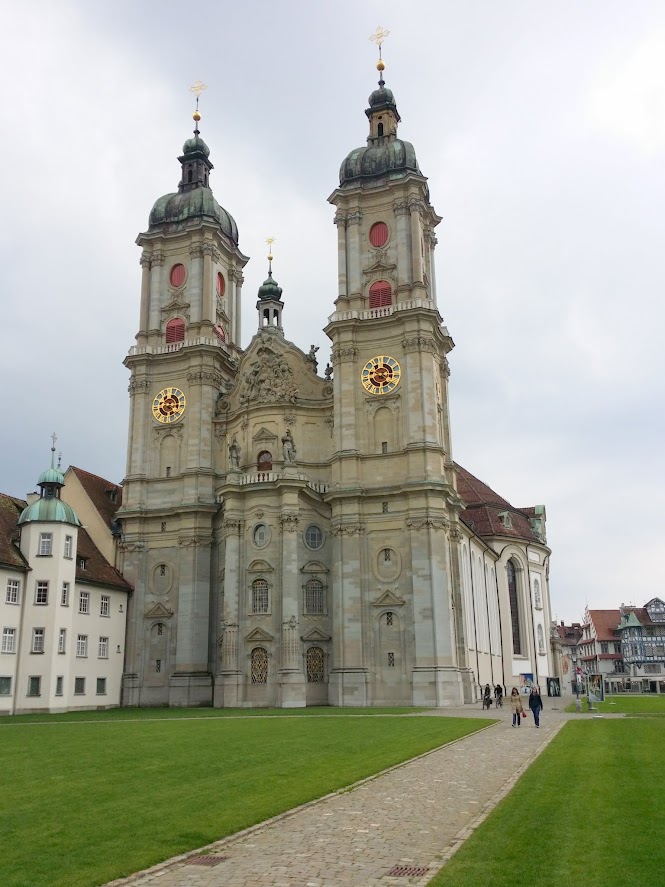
380	129
537	596
260	596
259	659
514	607
315	672
221	284
175	330
264	461
177	275
380	294
314	597
189	174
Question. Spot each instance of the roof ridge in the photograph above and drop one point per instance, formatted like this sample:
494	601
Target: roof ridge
77	470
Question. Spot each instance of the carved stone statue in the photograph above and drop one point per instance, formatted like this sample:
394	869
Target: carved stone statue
328	372
234	455
311	357
289	447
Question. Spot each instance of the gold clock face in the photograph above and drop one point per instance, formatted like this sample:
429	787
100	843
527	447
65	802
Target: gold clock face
381	375
168	406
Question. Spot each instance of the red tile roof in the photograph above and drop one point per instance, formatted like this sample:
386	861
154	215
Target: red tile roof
605	623
569	634
100	492
483	507
10	509
97	569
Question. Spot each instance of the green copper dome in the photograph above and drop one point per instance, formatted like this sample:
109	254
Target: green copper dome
394	158
270	289
49	510
195	204
196	146
51	476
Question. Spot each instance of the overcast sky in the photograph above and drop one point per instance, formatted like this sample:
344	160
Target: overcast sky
541	127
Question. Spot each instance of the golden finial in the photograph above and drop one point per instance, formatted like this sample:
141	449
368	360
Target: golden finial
270	241
378	37
197	88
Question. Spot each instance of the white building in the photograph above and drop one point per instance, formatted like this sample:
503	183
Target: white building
62	608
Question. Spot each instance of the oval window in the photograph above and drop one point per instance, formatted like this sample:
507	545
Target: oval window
261	535
177	276
378	234
313	536
221	284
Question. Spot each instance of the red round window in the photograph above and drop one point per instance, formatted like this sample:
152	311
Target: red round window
378	234
177	276
221	284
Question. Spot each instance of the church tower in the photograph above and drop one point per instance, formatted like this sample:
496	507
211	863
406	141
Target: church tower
398	631
186	354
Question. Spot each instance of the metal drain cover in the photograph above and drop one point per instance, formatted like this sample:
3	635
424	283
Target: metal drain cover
205	860
408	871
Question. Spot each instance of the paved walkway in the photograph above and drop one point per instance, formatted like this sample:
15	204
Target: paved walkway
415	815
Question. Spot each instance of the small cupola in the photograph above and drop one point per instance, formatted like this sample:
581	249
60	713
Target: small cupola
50	507
269	304
195	159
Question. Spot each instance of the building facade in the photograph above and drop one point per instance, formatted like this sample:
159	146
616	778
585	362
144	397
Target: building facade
642	633
296	538
63	608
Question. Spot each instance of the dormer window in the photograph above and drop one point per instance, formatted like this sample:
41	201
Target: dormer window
82	562
506	520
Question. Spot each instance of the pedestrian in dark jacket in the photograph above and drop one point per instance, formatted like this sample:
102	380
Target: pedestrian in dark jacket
535	704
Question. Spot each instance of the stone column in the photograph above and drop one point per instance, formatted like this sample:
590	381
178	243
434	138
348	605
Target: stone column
156	295
401	210
237	308
355	282
340	221
144	318
416	242
432	266
291	678
348	684
195	283
207	312
229	681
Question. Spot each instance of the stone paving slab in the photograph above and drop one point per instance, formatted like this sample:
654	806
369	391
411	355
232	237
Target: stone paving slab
416	814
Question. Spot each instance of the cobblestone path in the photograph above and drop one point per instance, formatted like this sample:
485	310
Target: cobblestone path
414	815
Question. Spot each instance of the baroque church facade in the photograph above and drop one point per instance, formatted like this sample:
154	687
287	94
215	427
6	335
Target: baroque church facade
299	538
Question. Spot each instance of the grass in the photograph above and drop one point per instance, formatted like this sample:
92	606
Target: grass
142	714
83	803
626	704
565	821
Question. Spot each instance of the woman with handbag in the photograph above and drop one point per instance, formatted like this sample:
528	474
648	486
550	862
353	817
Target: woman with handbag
516	705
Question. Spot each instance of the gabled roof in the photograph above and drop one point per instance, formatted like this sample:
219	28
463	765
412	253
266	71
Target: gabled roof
569	634
10	510
100	492
484	509
97	568
605	623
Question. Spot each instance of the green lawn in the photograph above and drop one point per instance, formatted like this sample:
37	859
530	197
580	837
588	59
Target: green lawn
626	704
82	803
565	822
142	714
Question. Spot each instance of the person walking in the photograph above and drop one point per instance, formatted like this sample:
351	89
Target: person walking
516	705
535	704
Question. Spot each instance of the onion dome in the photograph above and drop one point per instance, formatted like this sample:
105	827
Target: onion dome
270	289
49	508
194	199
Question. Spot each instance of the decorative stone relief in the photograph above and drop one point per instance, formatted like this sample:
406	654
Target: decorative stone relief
136	545
136	386
158	258
269	379
391	401
381	266
456	534
388	597
290	418
347	529
289	522
158	611
340	219
344	355
354	217
445	367
205	378
330	421
195	541
400	207
229	645
196	250
427	523
161	431
420	343
231	527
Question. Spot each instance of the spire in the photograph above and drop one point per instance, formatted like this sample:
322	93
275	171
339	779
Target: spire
382	112
269	303
195	158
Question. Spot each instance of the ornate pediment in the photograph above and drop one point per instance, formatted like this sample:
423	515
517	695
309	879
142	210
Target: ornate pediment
259	566
381	266
264	436
388	598
315	634
314	567
258	634
158	611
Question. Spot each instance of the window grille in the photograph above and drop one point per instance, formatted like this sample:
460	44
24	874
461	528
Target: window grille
314	597
101	686
389	618
79	686
260	596
5	685
34	686
158	666
387	555
315	670
160	629
259	660
261	535
391	660
313	536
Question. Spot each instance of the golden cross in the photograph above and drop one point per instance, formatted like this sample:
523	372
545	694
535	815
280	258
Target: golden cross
379	36
198	87
270	241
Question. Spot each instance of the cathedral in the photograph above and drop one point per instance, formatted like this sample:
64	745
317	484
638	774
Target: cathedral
296	537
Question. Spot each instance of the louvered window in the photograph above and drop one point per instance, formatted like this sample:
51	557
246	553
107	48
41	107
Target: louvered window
378	234
175	330
177	275
380	294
